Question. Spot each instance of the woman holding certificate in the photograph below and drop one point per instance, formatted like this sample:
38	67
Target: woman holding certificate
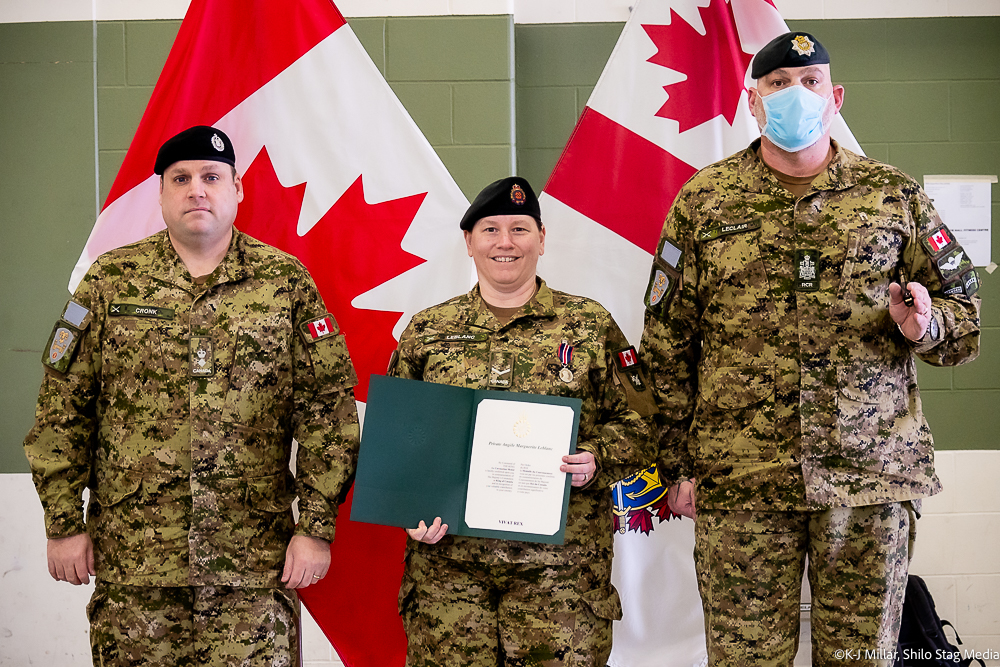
479	601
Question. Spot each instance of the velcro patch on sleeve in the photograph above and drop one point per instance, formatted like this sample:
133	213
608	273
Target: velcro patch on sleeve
665	276
663	282
319	328
65	337
628	370
953	263
62	346
966	285
939	241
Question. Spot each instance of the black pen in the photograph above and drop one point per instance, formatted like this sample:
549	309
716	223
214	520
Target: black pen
903	282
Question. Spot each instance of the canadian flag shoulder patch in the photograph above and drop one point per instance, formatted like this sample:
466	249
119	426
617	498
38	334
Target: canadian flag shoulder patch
321	327
938	240
626	358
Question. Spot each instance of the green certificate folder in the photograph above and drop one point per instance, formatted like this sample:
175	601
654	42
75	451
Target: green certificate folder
486	462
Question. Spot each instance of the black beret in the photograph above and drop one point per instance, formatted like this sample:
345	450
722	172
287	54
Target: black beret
508	196
200	142
793	49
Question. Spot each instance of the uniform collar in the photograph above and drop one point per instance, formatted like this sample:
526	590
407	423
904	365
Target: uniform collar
169	267
479	315
838	175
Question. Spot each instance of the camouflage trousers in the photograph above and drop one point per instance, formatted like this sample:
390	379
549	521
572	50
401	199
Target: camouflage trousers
462	614
750	567
188	626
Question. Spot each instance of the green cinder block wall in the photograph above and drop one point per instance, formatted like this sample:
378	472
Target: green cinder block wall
922	94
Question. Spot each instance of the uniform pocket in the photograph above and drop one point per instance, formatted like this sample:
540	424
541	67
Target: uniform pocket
255	520
872	408
260	387
135	377
140	520
735	411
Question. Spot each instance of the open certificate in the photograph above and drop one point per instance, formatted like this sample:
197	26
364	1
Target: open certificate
485	461
514	477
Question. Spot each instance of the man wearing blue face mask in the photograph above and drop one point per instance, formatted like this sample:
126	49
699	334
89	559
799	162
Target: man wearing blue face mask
794	287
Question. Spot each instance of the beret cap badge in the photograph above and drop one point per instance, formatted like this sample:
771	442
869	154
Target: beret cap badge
217	143
517	195
803	45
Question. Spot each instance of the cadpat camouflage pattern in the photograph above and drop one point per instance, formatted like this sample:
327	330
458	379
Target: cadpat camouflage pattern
176	401
783	382
461	343
557	344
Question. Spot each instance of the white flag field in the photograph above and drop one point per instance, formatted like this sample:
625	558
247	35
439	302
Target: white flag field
671	100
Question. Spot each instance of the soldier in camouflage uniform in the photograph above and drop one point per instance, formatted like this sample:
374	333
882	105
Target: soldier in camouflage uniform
175	382
484	602
781	346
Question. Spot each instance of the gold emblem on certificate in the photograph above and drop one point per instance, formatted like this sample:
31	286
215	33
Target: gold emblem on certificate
522	427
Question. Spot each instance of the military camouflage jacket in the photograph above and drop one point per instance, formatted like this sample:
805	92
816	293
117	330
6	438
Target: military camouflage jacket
459	342
783	382
176	403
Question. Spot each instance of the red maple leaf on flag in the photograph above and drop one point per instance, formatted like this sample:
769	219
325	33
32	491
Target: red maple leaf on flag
640	521
353	248
661	510
714	63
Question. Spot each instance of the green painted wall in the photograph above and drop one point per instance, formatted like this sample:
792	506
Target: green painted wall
922	94
47	201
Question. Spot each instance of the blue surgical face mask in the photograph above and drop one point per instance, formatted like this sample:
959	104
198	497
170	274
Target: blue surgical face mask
794	118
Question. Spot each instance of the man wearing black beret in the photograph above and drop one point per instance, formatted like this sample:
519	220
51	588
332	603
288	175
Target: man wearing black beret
175	381
794	287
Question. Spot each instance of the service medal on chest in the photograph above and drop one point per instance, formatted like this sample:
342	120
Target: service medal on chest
565	355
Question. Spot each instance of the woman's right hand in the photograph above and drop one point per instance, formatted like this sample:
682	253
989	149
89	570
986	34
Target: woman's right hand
428	534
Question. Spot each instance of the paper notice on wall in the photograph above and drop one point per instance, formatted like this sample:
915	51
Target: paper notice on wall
963	202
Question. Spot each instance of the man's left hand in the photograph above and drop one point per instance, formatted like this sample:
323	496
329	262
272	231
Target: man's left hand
581	465
307	560
912	320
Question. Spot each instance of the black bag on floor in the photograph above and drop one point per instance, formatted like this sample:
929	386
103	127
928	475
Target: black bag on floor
922	642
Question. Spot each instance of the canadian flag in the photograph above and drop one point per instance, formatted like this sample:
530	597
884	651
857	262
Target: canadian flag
627	357
939	240
671	100
320	328
336	173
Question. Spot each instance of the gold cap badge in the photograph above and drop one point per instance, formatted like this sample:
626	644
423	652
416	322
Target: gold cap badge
803	45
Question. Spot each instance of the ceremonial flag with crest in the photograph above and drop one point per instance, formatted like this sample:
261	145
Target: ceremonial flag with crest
336	173
671	100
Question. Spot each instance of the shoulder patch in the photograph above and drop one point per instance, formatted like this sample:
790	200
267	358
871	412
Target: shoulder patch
319	328
61	348
65	337
966	285
76	315
628	372
663	282
938	241
626	357
953	263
